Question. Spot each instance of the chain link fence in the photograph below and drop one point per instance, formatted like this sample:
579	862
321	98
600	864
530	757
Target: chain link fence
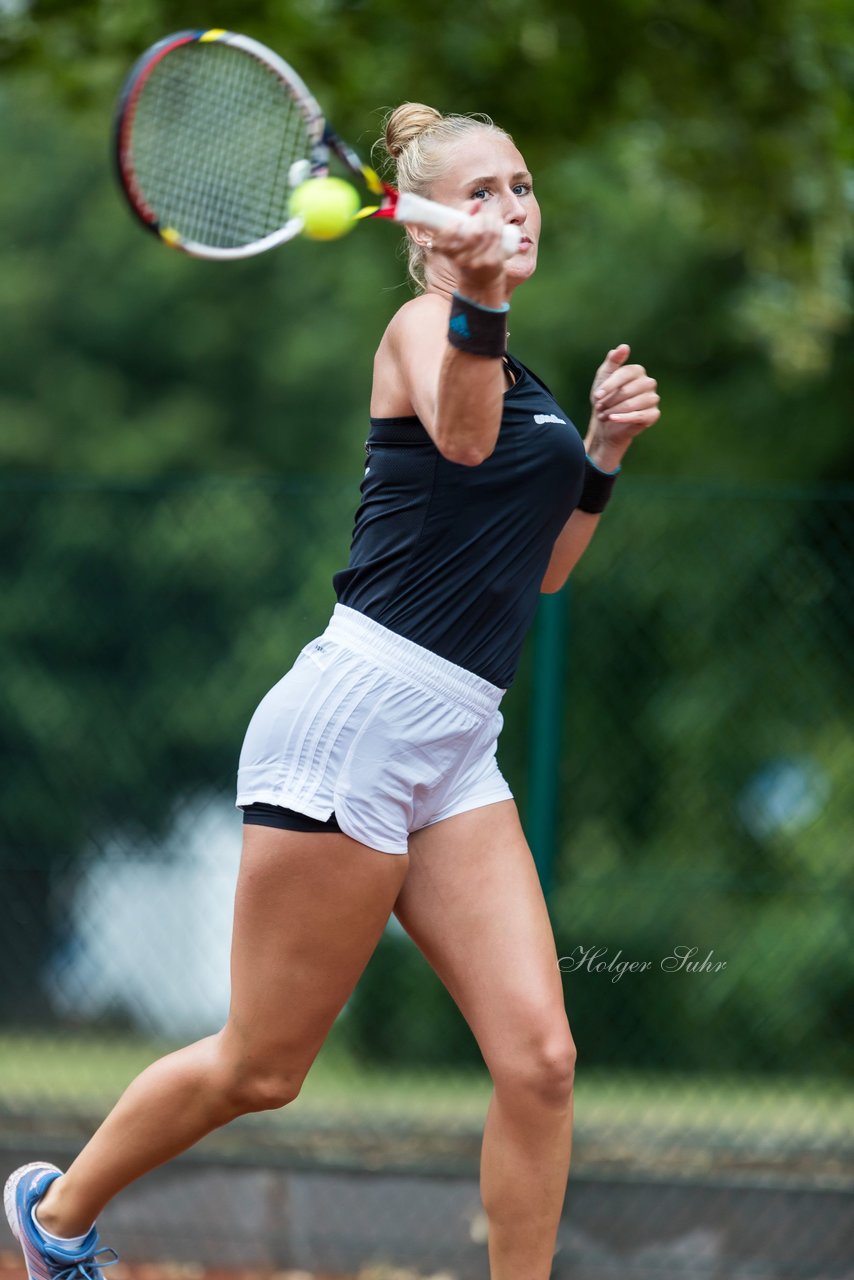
700	887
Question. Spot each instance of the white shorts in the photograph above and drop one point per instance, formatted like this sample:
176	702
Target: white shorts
377	729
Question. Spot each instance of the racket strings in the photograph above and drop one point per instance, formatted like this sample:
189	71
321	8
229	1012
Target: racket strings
213	138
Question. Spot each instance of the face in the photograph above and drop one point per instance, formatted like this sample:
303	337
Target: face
487	168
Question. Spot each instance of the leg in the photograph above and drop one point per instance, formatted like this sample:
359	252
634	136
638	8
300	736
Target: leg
309	911
472	903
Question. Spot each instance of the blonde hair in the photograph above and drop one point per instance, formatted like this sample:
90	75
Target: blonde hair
416	139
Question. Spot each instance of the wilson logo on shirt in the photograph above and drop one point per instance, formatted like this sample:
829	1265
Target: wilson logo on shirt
540	418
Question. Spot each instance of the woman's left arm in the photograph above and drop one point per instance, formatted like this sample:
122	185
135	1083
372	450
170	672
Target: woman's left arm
625	402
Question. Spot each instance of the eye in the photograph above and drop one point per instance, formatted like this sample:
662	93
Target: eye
522	189
480	193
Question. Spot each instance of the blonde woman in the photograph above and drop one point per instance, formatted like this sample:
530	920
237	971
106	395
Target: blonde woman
368	777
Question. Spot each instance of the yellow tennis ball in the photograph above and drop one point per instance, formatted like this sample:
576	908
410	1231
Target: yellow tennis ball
327	207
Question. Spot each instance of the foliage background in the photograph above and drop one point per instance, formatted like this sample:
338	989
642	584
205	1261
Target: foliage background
181	445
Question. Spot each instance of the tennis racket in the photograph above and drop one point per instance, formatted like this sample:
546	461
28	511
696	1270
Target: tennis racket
213	131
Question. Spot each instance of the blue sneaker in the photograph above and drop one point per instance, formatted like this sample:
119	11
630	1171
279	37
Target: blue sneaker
23	1190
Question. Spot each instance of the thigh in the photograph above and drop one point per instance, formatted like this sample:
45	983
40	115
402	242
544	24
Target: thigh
473	904
309	911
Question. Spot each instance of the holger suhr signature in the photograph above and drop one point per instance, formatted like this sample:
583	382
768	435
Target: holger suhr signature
680	960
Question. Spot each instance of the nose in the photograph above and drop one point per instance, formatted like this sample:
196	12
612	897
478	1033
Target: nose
515	210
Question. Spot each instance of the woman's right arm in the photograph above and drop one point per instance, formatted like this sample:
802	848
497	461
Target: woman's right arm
456	395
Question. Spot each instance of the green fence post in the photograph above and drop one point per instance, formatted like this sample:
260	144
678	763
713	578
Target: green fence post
550	642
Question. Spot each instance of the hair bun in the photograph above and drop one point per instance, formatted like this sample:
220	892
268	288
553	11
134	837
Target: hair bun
406	122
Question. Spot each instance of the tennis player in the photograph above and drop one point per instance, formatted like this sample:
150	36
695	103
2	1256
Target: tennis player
368	775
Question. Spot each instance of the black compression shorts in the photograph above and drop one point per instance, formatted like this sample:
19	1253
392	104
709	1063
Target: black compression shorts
274	815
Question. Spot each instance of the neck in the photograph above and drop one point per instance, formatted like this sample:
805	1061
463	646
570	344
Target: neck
442	279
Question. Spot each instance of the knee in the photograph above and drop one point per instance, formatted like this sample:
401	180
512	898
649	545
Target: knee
259	1090
542	1072
255	1085
551	1070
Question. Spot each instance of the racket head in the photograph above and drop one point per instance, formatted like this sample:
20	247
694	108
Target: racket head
208	128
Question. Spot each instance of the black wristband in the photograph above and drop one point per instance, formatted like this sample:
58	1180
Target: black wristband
597	488
480	330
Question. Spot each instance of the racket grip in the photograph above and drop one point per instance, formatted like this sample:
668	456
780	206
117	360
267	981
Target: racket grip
438	217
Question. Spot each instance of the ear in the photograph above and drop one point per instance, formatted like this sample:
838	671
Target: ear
421	238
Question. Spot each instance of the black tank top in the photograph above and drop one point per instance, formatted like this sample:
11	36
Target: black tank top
451	556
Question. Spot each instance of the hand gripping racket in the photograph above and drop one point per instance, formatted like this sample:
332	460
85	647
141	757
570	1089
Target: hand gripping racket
212	133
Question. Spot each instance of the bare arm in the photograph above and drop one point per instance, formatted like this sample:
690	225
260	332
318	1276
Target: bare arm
457	396
570	545
625	402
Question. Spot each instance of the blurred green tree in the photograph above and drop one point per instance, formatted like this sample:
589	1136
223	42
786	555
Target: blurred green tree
181	447
743	108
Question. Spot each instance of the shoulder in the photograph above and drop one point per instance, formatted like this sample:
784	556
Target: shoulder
410	351
420	322
425	313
